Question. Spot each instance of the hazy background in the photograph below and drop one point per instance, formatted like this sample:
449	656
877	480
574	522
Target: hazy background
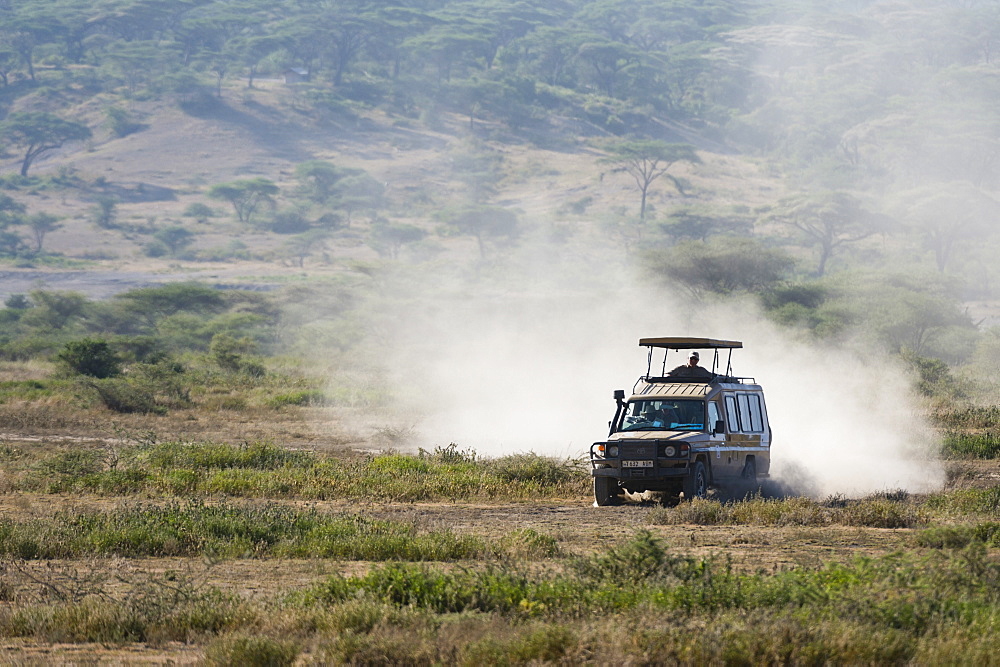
532	367
441	199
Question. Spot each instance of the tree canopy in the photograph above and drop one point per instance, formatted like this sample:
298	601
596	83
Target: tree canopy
38	133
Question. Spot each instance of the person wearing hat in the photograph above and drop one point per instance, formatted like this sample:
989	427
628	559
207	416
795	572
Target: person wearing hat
691	369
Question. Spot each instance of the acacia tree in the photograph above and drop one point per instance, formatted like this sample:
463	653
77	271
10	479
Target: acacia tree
484	222
608	60
301	246
39	132
645	160
318	178
948	214
40	224
828	220
358	191
251	50
388	238
246	195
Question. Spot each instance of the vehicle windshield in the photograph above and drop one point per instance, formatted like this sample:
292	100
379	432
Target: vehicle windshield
664	415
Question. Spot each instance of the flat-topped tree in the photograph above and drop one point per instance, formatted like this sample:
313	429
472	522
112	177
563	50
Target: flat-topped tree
38	133
645	160
828	220
246	195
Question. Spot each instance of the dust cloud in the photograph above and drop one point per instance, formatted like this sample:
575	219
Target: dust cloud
532	367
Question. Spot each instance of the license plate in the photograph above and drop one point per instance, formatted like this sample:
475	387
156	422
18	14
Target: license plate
637	464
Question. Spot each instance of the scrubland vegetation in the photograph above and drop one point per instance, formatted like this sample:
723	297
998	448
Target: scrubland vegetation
270	187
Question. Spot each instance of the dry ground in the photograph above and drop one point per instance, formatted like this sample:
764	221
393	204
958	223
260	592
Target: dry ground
578	527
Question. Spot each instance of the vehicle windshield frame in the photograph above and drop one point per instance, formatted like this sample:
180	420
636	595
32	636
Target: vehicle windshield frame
634	416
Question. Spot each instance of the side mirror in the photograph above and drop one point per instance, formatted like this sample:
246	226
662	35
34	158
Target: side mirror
720	427
619	394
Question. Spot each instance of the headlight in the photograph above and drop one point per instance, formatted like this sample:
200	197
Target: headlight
612	450
669	451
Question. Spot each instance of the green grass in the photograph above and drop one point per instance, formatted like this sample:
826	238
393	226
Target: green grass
876	511
976	445
264	470
26	390
638	602
959	536
642	573
225	530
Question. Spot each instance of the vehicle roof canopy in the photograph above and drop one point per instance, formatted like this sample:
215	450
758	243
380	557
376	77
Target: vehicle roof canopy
677	343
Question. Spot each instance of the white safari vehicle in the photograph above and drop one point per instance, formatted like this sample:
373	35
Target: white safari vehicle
684	429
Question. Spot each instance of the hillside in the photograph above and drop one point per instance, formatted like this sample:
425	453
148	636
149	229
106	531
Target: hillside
172	160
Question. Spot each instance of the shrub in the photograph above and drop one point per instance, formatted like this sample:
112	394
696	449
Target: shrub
155	248
303	397
199	211
121	395
105	212
881	513
229	353
91	357
531	467
959	537
242	650
120	122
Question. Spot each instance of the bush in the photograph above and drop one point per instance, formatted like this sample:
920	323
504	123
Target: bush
155	248
531	467
121	395
91	357
229	352
120	122
303	397
251	651
959	537
199	211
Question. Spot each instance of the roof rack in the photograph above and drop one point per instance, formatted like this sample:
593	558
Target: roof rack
684	343
675	343
716	379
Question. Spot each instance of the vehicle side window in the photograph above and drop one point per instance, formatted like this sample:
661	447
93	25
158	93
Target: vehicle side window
741	401
713	415
732	419
756	423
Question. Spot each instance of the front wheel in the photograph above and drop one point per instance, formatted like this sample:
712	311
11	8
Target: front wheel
696	484
606	491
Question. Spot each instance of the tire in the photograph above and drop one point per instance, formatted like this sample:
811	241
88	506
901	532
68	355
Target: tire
696	484
748	479
606	491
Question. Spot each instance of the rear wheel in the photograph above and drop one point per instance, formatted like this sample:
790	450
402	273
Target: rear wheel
748	478
606	491
696	484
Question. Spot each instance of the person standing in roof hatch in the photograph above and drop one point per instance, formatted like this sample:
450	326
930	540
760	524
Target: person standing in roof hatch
691	369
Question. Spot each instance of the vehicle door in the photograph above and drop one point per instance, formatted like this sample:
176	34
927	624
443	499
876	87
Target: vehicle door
731	456
745	423
718	440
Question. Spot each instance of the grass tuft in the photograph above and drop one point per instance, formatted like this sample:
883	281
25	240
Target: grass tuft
247	650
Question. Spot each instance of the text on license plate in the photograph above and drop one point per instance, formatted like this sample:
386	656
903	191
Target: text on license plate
637	464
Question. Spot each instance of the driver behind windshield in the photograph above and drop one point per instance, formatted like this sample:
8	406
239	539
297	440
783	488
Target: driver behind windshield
652	415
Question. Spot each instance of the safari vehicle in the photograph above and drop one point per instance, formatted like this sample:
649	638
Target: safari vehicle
680	434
